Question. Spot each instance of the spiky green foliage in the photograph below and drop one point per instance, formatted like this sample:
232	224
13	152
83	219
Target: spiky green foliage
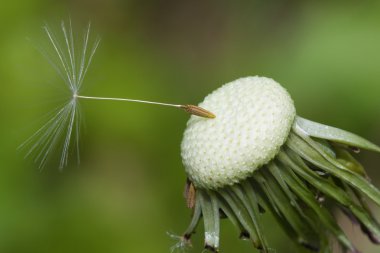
314	164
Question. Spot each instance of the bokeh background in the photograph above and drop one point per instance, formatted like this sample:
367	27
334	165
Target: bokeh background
126	194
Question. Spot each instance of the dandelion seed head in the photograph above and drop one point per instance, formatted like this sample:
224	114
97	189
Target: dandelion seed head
254	117
257	155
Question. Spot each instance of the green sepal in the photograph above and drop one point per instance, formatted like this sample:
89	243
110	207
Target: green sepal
252	207
276	173
318	130
306	148
345	158
232	216
195	218
323	215
210	212
242	215
306	234
325	185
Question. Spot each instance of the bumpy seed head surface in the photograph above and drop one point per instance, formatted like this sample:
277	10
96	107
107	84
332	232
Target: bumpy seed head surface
253	118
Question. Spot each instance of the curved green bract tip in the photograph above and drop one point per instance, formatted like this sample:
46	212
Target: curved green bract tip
334	134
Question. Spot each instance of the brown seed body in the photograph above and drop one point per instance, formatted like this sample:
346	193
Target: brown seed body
199	111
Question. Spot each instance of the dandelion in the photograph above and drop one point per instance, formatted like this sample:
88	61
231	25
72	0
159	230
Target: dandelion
247	154
258	156
62	130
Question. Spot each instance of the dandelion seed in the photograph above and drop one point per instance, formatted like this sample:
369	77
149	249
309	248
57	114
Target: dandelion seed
62	130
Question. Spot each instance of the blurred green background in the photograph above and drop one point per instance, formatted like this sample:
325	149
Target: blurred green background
127	192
